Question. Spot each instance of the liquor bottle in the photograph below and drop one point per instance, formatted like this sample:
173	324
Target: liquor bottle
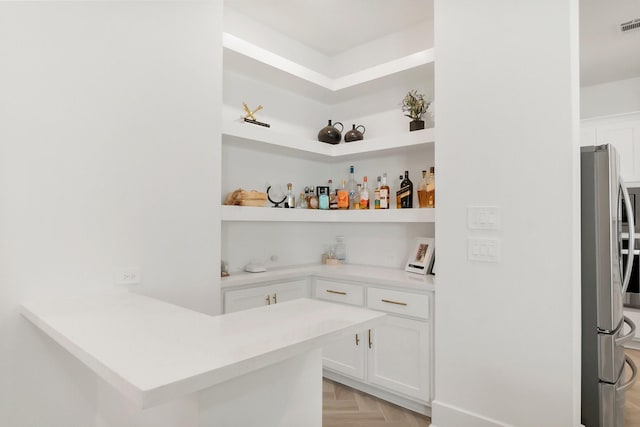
323	197
343	197
354	202
431	188
333	196
376	195
384	193
290	202
302	202
406	191
399	193
313	199
364	195
352	187
422	191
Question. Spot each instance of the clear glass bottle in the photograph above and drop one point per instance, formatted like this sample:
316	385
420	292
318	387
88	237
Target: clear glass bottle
431	188
376	195
354	201
343	197
422	191
364	194
290	201
340	249
384	193
352	187
302	202
406	192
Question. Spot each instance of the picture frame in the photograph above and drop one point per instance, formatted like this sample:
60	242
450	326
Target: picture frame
421	255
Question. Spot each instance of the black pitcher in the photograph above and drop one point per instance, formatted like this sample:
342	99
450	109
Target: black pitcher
330	134
354	134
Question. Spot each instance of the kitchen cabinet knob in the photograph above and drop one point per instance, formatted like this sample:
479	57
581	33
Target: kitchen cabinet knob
268	298
275	298
370	343
331	291
357	340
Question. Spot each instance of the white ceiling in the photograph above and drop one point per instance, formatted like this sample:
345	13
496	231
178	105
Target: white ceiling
607	54
334	26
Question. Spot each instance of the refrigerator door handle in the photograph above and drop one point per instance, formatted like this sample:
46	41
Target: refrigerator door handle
624	387
631	246
631	334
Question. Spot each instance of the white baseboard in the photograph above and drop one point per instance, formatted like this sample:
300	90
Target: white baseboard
413	405
451	416
633	344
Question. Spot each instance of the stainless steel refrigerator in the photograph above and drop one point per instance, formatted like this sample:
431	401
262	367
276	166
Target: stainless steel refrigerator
604	280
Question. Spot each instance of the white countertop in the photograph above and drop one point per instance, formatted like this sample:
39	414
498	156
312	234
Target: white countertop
388	277
153	352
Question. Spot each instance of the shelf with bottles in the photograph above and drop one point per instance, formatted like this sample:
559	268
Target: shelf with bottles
267	214
237	132
270	67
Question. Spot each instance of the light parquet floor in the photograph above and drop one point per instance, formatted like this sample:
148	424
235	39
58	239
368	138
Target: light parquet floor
346	407
632	398
343	406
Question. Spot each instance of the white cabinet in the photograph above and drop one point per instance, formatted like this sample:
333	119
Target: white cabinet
398	358
267	294
623	132
347	355
396	355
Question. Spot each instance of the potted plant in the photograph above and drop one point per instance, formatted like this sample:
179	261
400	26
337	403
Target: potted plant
415	106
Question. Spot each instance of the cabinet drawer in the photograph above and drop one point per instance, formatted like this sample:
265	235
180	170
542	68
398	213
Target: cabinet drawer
339	292
410	304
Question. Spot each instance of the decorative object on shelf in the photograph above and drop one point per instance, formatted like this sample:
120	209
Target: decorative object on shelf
224	269
415	106
330	134
242	197
421	255
250	118
354	134
276	204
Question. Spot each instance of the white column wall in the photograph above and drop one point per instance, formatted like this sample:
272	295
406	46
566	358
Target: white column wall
109	148
508	334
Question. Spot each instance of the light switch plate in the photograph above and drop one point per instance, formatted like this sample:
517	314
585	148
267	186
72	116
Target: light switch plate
483	217
483	249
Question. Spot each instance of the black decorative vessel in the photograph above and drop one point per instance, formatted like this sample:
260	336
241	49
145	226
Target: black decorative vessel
330	134
355	134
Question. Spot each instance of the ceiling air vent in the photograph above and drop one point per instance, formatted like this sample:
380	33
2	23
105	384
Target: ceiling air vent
630	25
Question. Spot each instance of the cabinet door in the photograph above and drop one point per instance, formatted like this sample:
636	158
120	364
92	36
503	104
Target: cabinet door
243	299
399	357
626	138
346	355
282	292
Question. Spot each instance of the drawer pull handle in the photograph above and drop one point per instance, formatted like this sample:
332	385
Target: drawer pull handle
388	301
331	291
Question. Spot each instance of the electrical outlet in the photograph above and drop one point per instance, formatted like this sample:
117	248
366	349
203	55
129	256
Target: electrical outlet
130	276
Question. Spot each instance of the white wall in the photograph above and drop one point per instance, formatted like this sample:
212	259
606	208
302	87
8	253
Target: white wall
109	141
618	97
508	333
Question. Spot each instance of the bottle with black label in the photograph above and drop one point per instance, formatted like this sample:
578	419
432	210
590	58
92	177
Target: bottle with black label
405	194
290	201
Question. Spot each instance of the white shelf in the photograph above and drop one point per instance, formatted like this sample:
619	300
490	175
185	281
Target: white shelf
242	213
235	132
242	55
